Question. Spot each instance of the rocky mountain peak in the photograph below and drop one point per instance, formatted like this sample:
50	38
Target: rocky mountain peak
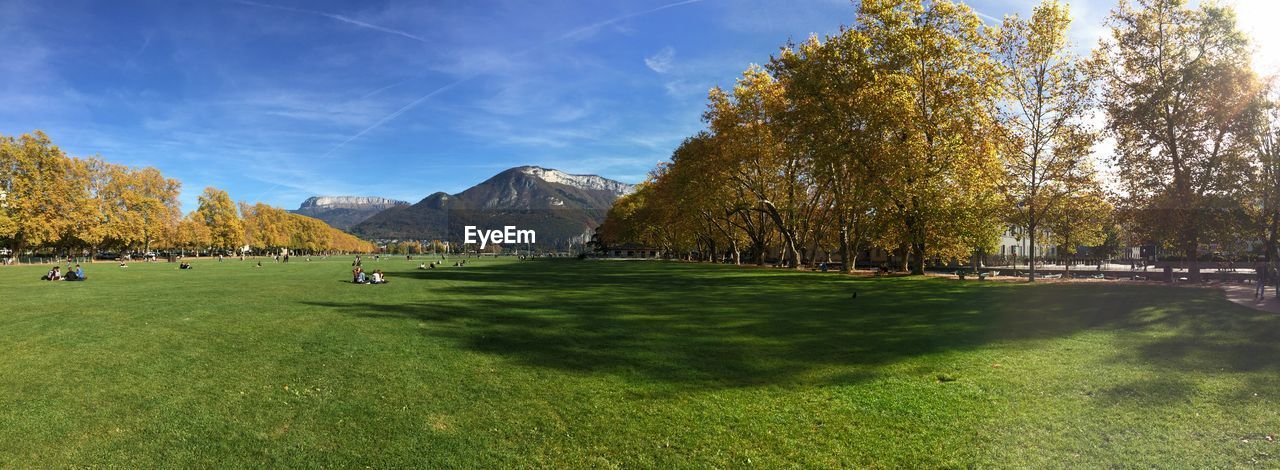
589	182
349	202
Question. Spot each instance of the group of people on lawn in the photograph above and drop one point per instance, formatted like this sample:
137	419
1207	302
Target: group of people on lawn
72	275
433	264
358	276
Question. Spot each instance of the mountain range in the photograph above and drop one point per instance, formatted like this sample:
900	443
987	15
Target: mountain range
558	205
344	212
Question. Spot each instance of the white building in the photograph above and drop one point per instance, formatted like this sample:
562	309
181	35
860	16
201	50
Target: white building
1014	242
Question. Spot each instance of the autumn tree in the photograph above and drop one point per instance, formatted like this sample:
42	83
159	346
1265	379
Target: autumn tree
193	233
1044	108
153	199
51	200
265	227
43	190
219	215
1082	219
1262	208
1179	95
935	57
754	153
132	208
709	196
837	117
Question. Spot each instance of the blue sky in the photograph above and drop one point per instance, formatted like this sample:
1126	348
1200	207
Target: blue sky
278	100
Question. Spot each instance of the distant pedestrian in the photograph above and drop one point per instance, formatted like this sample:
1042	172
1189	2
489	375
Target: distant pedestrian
1260	290
1273	276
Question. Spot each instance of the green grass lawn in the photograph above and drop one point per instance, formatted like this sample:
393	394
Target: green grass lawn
629	364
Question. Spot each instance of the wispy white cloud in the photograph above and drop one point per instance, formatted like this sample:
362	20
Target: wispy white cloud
662	61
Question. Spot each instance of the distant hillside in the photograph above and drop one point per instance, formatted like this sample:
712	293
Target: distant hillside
344	212
559	205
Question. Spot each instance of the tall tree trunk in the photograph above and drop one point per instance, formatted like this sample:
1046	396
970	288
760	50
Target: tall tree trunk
917	258
1193	259
1031	257
904	260
846	261
812	258
790	250
19	244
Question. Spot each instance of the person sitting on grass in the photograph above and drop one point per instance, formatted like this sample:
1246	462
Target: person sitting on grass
359	277
52	276
422	265
259	265
76	275
122	263
377	277
184	265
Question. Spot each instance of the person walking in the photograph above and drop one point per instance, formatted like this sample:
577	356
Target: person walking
1260	278
1273	275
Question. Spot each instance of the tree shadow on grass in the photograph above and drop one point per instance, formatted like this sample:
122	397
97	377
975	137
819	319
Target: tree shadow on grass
719	326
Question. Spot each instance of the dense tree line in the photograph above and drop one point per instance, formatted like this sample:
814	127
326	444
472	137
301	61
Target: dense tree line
56	203
921	131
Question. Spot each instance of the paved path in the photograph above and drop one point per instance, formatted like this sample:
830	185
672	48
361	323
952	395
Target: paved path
1243	295
1152	270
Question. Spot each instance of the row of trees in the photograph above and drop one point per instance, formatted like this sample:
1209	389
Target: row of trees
54	202
922	131
414	247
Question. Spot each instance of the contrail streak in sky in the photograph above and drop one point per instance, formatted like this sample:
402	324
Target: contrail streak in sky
608	22
398	112
337	17
565	36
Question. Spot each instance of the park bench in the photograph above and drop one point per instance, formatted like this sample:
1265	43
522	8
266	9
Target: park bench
982	276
